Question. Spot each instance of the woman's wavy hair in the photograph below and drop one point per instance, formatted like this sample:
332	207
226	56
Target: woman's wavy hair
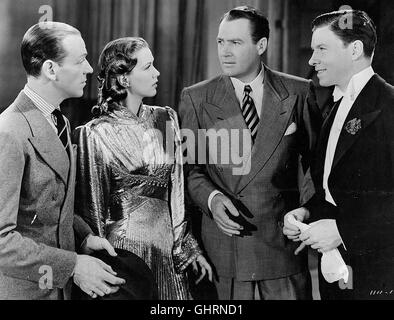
117	58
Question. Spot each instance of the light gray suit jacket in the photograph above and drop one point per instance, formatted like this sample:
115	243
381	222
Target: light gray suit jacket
36	207
287	130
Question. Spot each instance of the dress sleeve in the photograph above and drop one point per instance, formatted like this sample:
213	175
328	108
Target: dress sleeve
92	181
185	249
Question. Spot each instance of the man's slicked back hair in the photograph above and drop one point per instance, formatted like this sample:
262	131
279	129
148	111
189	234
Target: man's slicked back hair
42	42
349	26
258	22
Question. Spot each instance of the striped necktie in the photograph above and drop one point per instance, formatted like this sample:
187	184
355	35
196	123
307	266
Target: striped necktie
249	112
61	127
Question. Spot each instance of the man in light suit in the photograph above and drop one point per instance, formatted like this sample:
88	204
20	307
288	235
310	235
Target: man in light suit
37	169
276	119
353	171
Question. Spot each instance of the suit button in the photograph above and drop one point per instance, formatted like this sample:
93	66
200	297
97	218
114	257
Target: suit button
253	276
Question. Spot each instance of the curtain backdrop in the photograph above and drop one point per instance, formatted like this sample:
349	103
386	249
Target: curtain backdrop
175	30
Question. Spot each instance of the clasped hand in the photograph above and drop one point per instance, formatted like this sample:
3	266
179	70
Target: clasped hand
322	235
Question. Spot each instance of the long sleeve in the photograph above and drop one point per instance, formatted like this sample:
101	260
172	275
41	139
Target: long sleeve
186	248
92	181
199	185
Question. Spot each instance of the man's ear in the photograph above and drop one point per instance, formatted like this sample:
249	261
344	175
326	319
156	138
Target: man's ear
262	45
49	69
357	50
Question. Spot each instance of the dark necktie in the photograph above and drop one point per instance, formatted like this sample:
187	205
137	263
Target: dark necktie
249	112
61	127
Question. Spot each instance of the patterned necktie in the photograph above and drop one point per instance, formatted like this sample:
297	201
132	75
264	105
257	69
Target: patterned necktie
61	127
249	112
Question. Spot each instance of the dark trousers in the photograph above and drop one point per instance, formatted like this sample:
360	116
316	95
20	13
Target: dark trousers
295	287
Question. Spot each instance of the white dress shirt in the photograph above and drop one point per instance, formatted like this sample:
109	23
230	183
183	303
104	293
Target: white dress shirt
356	84
257	90
45	107
257	86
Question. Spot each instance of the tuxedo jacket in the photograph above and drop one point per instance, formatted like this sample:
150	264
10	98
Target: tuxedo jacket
263	191
36	206
361	183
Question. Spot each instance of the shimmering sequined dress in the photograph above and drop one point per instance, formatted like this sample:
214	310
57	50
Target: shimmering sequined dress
130	190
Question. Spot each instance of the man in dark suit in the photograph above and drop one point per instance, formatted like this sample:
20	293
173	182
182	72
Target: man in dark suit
353	172
268	119
37	169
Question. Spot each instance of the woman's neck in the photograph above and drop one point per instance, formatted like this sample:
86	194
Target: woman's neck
132	103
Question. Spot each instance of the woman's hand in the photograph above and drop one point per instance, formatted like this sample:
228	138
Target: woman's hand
94	243
204	266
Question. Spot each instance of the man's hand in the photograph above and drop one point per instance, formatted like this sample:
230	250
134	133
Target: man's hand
322	235
220	203
95	243
95	277
289	229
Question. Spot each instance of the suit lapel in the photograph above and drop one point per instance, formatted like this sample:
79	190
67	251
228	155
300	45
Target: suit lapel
276	111
321	149
224	106
44	138
362	114
224	112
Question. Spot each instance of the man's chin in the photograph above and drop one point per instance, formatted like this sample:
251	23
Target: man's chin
325	83
228	73
75	96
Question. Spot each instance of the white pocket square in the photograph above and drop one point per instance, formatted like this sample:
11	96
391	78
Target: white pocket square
291	129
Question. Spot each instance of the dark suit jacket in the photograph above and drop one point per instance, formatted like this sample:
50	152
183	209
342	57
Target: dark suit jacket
269	189
362	185
36	206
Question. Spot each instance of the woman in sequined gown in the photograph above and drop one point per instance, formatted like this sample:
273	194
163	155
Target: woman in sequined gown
129	178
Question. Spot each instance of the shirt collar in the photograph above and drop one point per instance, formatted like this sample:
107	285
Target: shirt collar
356	84
255	84
44	106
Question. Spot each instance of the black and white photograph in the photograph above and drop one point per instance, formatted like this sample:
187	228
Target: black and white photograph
196	155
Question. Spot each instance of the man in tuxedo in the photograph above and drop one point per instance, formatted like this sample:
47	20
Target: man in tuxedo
269	119
353	171
37	169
